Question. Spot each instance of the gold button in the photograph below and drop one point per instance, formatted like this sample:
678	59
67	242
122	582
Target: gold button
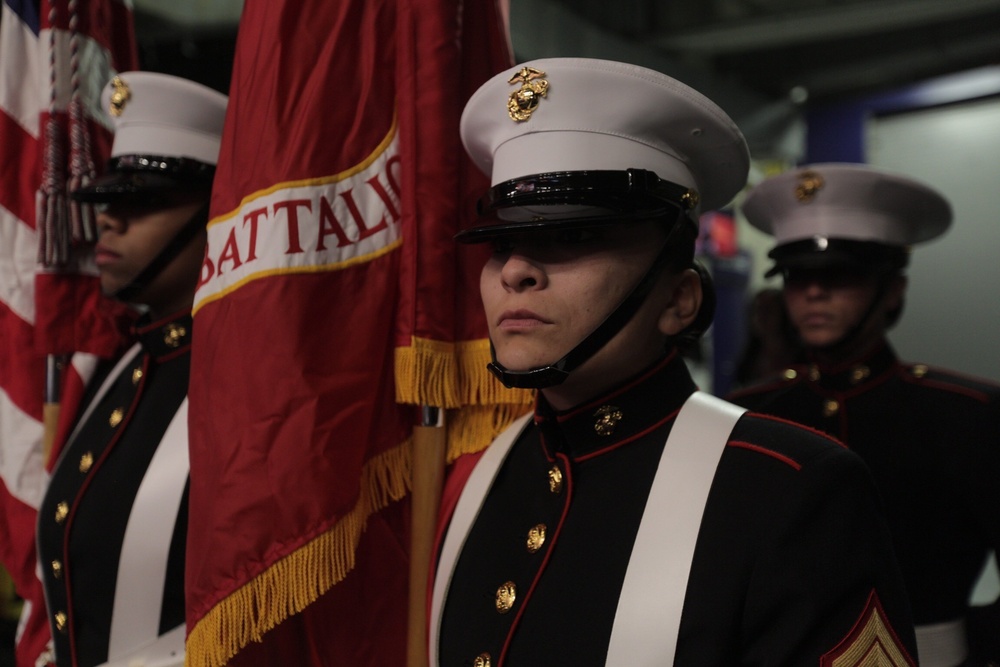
536	538
608	417
830	408
506	595
86	461
790	374
859	373
919	370
60	618
62	511
116	417
136	375
482	660
56	569
555	479
173	335
814	373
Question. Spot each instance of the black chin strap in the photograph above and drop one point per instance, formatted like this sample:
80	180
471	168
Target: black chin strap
195	224
556	373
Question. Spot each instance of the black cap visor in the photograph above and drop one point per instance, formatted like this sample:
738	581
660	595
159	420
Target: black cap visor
823	254
577	199
134	177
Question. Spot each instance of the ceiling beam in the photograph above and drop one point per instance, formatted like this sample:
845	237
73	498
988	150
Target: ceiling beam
548	29
800	27
908	65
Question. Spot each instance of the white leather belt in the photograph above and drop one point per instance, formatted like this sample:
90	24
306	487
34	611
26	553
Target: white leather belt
942	644
167	650
648	619
145	551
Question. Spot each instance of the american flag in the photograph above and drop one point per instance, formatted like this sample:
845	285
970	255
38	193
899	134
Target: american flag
55	56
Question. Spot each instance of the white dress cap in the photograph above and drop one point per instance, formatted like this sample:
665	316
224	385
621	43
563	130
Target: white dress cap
584	114
162	115
847	201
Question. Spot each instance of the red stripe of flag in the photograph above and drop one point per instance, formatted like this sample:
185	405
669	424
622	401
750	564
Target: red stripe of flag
20	170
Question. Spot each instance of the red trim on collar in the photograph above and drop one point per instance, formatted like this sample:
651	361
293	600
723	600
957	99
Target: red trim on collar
180	314
843	366
639	379
632	438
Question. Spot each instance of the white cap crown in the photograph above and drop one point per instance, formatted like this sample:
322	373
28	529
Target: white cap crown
850	202
166	116
579	114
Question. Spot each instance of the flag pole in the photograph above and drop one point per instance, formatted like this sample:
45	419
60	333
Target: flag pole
428	477
54	364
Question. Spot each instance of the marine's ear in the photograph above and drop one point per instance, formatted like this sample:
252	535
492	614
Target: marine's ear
684	309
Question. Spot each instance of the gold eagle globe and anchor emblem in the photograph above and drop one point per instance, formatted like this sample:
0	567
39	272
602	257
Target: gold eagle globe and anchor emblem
173	335
119	98
809	184
523	101
608	417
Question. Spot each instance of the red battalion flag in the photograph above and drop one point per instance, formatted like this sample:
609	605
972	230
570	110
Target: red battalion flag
332	304
55	57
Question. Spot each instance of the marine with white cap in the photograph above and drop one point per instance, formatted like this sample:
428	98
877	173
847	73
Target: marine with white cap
843	237
631	519
112	526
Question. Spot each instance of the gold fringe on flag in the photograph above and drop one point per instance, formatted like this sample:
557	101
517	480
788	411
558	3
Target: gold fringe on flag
427	374
451	375
297	580
473	428
477	385
454	376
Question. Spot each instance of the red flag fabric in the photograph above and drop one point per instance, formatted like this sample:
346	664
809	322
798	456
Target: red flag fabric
332	302
55	56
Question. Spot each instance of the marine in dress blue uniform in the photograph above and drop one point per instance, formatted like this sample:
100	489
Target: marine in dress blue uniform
112	526
555	550
931	437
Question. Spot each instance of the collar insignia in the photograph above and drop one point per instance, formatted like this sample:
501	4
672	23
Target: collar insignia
608	417
173	335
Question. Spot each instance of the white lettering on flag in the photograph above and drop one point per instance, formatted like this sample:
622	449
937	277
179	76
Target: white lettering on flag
309	226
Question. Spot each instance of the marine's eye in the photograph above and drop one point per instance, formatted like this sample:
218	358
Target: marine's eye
570	236
502	246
